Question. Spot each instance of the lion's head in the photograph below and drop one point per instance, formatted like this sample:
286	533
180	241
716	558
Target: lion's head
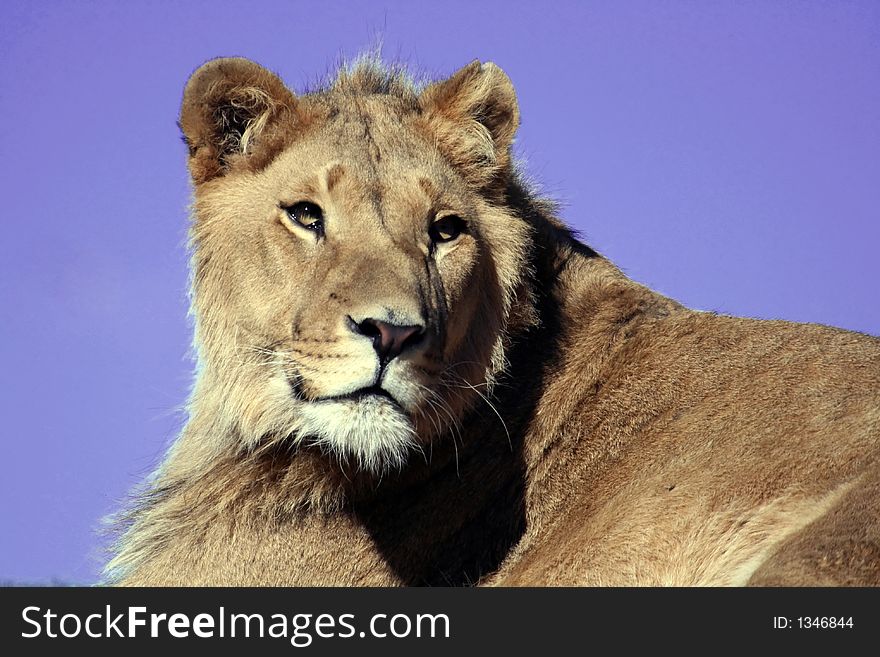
356	269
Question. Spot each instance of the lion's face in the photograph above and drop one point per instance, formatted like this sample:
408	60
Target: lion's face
353	279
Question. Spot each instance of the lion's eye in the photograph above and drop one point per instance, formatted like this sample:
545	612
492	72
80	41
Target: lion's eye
447	228
308	215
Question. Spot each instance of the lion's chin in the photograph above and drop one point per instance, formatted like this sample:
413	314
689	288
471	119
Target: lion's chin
371	430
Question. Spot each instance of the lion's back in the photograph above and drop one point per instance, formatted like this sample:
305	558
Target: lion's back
730	437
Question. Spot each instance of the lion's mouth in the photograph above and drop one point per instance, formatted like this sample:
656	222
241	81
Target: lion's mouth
370	393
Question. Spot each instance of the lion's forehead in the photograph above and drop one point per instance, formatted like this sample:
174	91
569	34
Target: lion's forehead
371	170
368	125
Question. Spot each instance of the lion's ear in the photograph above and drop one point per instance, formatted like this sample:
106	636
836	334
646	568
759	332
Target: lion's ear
233	111
474	116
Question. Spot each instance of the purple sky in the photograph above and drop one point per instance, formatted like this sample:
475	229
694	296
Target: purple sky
724	153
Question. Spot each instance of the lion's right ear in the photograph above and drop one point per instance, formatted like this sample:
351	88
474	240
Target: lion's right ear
234	113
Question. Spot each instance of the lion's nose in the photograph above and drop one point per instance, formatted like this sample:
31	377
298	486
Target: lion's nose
389	340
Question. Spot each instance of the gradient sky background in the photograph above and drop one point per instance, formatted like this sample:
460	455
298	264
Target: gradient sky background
725	153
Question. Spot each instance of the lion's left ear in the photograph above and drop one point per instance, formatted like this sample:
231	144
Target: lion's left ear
473	115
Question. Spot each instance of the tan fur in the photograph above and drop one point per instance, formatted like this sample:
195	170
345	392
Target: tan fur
559	424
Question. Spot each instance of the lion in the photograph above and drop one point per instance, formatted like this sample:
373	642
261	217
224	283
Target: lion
411	372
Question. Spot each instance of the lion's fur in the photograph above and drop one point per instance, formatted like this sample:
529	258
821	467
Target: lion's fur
561	424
